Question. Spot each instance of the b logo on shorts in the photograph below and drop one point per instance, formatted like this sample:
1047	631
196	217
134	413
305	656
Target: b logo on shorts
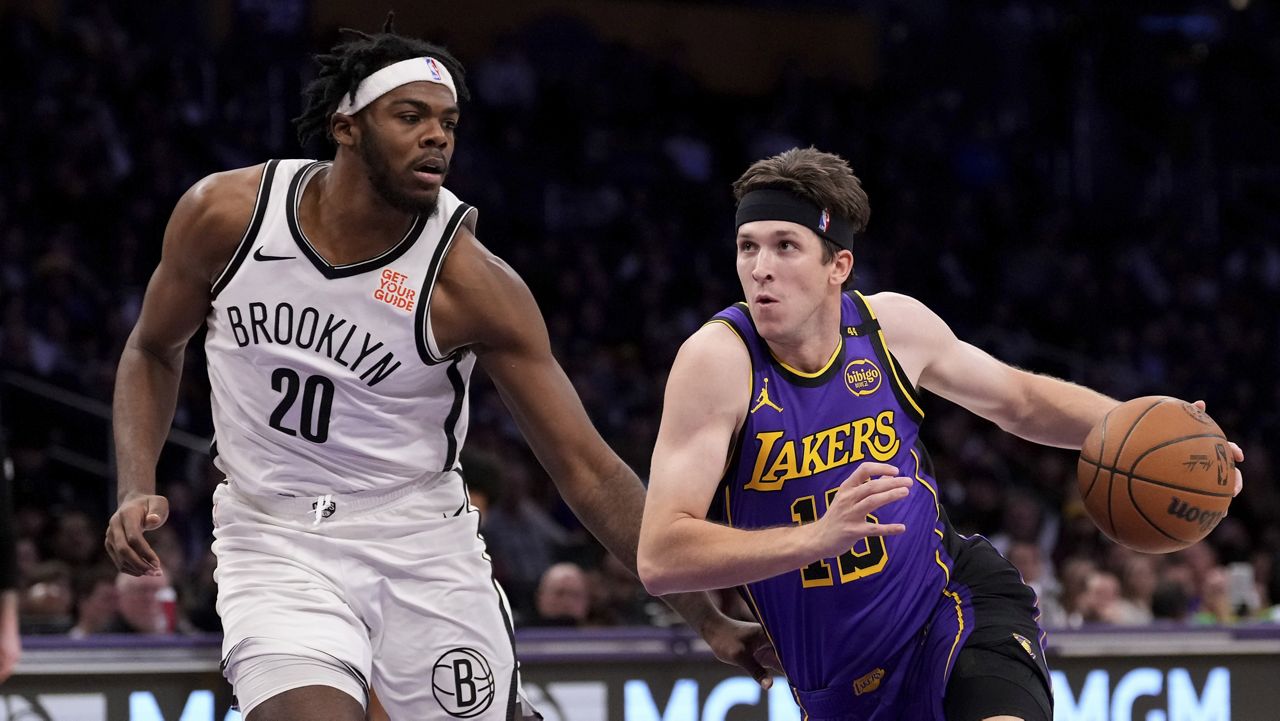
462	683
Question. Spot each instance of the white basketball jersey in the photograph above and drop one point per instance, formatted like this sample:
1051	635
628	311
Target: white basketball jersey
327	379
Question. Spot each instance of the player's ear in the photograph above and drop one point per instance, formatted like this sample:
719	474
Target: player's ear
842	267
344	129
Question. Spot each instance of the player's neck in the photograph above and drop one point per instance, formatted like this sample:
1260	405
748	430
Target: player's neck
344	216
810	347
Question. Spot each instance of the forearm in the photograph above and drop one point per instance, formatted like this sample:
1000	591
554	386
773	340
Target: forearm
611	510
1059	413
146	394
691	554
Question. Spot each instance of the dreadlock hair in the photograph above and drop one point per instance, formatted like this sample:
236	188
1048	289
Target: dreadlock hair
352	61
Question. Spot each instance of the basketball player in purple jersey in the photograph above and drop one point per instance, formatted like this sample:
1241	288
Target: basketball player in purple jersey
346	304
788	462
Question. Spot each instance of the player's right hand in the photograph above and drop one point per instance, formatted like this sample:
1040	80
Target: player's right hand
845	521
137	513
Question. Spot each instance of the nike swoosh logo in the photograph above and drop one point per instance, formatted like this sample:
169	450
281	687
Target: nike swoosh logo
257	255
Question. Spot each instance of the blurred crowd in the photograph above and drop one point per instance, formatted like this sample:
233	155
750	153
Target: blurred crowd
1083	189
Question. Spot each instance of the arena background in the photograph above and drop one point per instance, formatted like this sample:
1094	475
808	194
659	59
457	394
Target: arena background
1086	189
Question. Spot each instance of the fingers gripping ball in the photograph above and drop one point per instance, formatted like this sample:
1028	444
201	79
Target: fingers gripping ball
1156	474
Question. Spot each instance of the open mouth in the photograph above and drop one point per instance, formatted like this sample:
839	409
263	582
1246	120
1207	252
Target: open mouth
765	300
431	170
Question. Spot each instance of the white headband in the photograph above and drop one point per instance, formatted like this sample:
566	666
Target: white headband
393	76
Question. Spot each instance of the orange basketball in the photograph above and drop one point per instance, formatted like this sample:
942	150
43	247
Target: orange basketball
1156	474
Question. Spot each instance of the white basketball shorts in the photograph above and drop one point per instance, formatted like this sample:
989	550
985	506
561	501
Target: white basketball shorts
394	587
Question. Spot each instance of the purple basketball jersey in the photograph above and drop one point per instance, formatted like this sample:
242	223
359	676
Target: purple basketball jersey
851	630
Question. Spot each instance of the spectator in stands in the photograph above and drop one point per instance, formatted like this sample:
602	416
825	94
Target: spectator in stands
1215	600
45	604
1101	600
77	539
1272	613
522	536
1169	602
1137	585
563	598
1075	576
617	597
96	602
1029	561
148	605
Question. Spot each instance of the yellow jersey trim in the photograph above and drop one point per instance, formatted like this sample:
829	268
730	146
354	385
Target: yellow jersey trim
960	618
830	361
893	366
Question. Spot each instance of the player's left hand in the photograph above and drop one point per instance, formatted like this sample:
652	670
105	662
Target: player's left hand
744	644
1238	455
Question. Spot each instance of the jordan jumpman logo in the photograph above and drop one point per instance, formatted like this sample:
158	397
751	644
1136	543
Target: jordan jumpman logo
763	399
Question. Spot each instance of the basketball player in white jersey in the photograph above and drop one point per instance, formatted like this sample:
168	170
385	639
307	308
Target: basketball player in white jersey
346	304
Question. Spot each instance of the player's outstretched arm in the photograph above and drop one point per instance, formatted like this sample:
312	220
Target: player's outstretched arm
680	550
1036	407
204	229
480	303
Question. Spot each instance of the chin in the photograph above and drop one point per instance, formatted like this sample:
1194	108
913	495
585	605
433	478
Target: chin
417	201
768	325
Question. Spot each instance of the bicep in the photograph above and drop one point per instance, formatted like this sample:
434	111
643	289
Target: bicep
514	350
705	399
174	307
974	379
545	406
948	366
203	232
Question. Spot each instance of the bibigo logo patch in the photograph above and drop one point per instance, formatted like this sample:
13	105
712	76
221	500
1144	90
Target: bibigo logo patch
862	377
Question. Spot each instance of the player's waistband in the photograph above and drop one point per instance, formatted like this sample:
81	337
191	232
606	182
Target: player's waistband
864	696
323	506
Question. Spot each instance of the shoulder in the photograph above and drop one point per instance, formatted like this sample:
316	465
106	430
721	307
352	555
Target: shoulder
476	274
894	305
903	317
210	219
715	360
710	382
479	299
915	334
469	261
222	202
716	341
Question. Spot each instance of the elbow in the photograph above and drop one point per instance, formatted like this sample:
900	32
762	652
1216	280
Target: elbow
657	579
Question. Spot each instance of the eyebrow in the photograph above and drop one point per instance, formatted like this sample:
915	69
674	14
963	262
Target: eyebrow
781	232
425	108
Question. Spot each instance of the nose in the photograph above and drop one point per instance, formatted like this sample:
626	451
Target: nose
762	270
433	135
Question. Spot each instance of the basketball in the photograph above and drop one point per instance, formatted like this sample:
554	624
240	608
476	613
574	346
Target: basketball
1156	474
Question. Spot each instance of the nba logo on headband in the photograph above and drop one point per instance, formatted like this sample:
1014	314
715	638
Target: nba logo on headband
824	220
434	69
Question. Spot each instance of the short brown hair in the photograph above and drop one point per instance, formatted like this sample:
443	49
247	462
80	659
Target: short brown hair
823	178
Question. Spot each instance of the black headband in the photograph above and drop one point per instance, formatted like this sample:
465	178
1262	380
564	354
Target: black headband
774	204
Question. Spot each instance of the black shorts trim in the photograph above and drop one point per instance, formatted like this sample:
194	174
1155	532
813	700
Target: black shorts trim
988	682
